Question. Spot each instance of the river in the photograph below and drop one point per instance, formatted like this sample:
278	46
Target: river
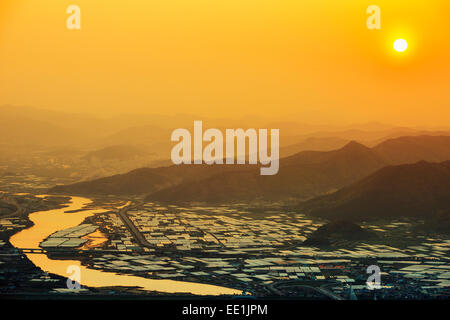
50	221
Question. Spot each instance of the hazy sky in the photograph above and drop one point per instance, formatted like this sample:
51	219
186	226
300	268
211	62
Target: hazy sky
314	60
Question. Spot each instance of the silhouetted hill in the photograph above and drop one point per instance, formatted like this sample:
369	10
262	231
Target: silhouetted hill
338	231
301	176
412	190
440	224
6	208
144	180
135	182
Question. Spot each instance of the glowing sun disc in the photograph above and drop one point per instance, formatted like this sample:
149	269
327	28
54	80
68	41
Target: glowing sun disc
400	45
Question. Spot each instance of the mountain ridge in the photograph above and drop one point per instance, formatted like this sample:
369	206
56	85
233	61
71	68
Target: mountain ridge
421	189
301	176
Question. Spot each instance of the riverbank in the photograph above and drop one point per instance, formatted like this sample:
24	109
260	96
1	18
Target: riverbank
51	221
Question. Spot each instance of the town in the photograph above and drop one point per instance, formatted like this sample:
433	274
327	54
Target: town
232	246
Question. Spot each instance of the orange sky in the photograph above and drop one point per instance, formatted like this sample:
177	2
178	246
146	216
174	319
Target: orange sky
310	61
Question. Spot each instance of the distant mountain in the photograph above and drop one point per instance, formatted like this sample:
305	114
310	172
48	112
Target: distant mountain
307	174
313	144
361	134
17	130
301	176
84	124
412	190
153	138
63	152
406	132
368	136
146	134
117	152
412	149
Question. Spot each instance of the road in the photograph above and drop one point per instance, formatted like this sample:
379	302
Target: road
137	235
295	283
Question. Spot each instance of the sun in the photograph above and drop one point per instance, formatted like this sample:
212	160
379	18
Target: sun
400	45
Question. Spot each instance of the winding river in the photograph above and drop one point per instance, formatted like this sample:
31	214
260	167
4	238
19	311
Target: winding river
48	222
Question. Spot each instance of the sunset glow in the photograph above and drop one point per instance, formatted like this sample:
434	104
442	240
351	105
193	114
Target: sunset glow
400	45
272	58
247	152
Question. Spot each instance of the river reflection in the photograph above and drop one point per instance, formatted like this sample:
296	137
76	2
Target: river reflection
48	222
